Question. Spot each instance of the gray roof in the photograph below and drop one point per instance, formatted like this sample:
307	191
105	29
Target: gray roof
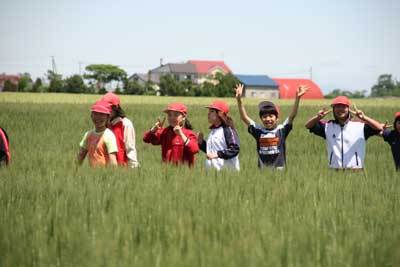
182	68
155	77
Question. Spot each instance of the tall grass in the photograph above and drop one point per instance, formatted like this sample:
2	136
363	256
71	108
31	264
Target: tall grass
54	213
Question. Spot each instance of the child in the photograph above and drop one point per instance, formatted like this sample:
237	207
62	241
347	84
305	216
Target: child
393	139
5	157
178	142
222	145
124	132
345	137
270	137
100	144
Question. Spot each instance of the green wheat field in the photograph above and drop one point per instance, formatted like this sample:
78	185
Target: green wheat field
54	213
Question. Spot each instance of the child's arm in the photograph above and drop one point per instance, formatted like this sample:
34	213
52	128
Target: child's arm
112	159
314	120
371	122
243	115
153	136
81	155
301	90
384	127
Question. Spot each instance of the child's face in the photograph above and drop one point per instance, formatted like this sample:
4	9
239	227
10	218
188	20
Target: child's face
397	125
175	118
269	121
213	117
341	112
99	120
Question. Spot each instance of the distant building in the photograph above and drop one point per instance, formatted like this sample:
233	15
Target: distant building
259	86
206	69
143	78
288	87
180	71
198	71
14	79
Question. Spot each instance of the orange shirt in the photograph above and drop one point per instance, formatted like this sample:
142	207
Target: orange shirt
99	146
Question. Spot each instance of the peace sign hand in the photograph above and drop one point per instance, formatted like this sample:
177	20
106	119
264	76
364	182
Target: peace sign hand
239	91
357	112
158	125
301	90
322	113
386	125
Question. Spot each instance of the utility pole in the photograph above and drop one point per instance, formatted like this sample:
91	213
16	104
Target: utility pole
53	64
80	68
311	73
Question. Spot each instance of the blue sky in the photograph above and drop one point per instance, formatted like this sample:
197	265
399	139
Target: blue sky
348	43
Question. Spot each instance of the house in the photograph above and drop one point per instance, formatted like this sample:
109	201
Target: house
207	69
180	71
288	87
143	78
14	79
259	86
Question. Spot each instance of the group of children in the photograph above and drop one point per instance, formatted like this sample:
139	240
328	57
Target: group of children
112	141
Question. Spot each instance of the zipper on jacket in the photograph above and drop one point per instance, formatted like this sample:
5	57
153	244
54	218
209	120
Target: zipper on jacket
356	158
341	132
330	158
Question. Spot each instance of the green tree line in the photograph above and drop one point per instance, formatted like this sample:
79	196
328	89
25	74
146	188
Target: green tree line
97	76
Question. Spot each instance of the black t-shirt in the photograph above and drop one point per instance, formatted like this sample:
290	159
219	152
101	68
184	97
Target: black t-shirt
271	147
393	139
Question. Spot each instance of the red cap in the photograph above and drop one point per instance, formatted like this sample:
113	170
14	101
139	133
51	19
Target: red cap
219	105
397	115
176	107
111	99
341	100
101	107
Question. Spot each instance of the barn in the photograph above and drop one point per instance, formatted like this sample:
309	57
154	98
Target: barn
287	88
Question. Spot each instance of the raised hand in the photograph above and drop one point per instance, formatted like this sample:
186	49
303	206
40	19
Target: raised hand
301	90
178	130
386	125
357	112
158	125
239	91
323	112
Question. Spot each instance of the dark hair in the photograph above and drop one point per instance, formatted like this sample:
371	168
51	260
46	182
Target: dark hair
226	121
119	111
268	111
394	123
187	124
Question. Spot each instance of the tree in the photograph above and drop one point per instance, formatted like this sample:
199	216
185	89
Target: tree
103	74
225	85
169	86
25	83
133	88
37	85
56	82
74	84
384	87
9	86
338	92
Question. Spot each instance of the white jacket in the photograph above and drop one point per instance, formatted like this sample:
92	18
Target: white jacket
346	144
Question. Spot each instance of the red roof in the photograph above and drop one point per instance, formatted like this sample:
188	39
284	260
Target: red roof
288	87
205	66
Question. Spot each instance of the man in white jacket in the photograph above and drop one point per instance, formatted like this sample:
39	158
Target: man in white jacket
345	137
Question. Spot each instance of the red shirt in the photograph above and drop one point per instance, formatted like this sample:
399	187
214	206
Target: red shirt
118	130
173	148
